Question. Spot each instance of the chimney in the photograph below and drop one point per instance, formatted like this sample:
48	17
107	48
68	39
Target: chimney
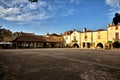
84	29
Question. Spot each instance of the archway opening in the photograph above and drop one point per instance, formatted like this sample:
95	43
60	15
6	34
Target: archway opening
116	44
75	45
99	45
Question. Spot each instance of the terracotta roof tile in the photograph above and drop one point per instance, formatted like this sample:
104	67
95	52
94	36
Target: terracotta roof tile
34	38
67	33
53	39
101	30
29	38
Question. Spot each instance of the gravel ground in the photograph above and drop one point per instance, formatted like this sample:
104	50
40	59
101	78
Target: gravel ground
59	64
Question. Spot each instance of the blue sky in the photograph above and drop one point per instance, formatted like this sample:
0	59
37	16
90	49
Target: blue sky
56	16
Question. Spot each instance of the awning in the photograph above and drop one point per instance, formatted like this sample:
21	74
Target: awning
5	43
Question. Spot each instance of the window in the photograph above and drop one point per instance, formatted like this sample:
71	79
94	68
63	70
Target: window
85	37
74	38
116	27
99	36
117	35
66	38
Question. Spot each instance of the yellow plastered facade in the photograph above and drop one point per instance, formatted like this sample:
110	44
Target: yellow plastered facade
96	39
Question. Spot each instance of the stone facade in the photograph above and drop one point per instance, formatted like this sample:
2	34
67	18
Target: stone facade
67	38
113	32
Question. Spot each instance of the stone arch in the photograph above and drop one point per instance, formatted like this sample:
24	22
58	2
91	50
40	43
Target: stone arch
116	44
75	45
99	45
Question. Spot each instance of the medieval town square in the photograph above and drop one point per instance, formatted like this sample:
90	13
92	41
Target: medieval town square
59	39
59	64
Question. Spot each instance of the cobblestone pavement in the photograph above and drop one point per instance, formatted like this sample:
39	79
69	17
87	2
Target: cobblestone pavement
59	64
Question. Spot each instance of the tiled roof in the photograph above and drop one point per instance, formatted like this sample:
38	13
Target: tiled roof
78	31
101	30
112	25
53	39
29	38
67	33
54	34
87	31
34	38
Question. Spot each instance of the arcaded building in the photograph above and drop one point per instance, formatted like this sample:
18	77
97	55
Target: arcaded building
102	38
113	32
